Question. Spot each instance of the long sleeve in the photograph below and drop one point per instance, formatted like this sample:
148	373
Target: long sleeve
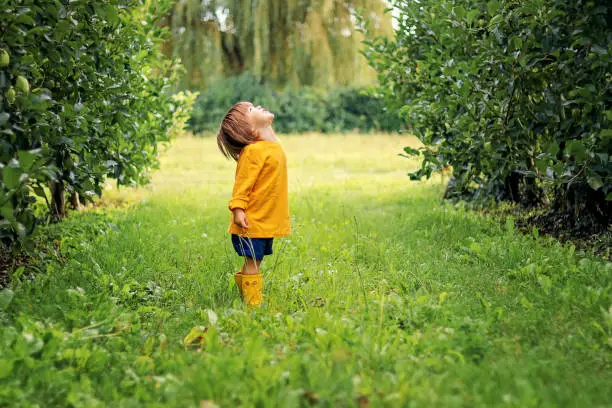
247	171
261	191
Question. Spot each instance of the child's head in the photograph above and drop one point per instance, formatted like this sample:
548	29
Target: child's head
240	127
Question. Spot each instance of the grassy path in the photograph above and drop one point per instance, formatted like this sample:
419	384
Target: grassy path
382	297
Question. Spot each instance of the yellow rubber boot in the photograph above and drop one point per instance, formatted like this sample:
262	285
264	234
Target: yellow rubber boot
252	289
238	278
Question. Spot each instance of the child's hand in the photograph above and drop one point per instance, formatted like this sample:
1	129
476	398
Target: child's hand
240	218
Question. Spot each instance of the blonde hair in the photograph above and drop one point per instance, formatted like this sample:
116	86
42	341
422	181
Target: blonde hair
235	131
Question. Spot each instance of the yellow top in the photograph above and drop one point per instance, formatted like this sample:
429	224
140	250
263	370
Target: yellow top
261	191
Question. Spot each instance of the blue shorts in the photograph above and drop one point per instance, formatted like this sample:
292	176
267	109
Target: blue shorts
254	248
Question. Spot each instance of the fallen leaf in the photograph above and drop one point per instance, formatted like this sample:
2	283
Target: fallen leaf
195	337
310	397
363	401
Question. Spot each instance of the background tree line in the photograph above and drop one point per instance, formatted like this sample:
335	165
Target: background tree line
300	58
285	42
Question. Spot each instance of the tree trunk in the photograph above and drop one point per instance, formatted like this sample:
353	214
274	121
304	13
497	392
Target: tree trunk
522	190
75	202
533	195
583	204
512	187
58	200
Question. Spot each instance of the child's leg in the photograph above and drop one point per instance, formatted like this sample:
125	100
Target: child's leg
249	279
251	282
250	267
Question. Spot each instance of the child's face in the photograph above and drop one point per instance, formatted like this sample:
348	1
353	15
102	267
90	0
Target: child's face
259	117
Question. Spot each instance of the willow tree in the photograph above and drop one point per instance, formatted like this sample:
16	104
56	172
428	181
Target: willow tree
286	42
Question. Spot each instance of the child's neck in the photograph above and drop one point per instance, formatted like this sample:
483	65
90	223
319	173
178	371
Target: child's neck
267	134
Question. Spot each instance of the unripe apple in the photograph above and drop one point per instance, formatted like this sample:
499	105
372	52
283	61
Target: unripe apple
68	163
22	84
10	95
5	58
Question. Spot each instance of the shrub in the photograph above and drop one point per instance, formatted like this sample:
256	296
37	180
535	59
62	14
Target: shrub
83	96
354	108
297	110
515	96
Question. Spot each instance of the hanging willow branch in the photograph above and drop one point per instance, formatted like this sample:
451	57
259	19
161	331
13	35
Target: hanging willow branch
286	42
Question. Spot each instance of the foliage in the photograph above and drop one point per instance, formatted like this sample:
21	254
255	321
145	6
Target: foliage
354	108
461	312
181	111
286	42
515	96
83	96
296	110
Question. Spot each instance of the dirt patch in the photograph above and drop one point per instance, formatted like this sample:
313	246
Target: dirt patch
9	262
587	234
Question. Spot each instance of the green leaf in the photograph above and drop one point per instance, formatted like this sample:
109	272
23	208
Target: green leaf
459	12
496	20
411	151
6	296
483	302
61	29
4	117
149	345
598	49
526	303
493	7
576	148
11	176
17	274
7	211
27	158
111	14
516	43
19	228
6	368
553	149
25	19
472	15
595	181
541	164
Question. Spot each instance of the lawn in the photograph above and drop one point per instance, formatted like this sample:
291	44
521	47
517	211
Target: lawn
383	296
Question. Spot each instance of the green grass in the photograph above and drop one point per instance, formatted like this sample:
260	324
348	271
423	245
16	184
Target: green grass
381	297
